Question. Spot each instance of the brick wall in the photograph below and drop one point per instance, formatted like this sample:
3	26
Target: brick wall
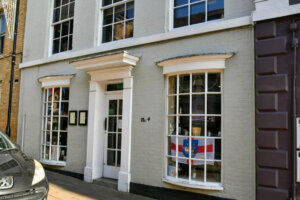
5	68
274	108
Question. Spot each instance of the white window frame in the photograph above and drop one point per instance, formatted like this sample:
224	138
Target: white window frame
51	38
184	182
171	16
202	63
56	81
44	121
100	42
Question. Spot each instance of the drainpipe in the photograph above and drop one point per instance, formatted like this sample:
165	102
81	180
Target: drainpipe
295	42
13	63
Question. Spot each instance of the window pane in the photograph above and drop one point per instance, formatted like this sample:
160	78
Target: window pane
54	153
198	128
172	84
119	13
64	12
198	82
48	138
112	124
54	138
108	16
214	126
47	153
118	31
48	124
113	105
71	12
183	168
180	2
57	31
63	154
217	149
213	173
111	143
3	24
172	125
56	15
129	29
120	107
184	126
214	83
215	9
118	158
197	13
184	104
65	93
70	42
65	29
64	108
56	46
55	108
172	167
172	104
56	3
111	157
172	146
119	141
2	43
107	34
63	138
63	123
115	1
65	2
184	83
181	17
198	104
192	1
49	109
55	123
130	10
56	94
213	149
106	2
71	27
214	104
197	170
64	44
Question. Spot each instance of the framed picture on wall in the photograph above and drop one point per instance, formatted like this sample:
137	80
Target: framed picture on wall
83	115
73	117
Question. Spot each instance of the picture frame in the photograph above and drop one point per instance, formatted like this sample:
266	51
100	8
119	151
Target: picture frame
73	118
83	117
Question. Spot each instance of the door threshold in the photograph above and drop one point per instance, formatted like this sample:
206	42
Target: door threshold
107	182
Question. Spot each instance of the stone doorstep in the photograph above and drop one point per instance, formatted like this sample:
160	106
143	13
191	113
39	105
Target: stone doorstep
107	182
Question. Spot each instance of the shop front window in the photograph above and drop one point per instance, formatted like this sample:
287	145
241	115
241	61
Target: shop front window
194	133
55	124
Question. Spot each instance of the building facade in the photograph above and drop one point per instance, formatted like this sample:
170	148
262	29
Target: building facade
156	94
277	94
6	48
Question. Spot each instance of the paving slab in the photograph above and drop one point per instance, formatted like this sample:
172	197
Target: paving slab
64	187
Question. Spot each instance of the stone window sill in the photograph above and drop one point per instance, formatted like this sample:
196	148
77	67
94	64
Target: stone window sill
194	184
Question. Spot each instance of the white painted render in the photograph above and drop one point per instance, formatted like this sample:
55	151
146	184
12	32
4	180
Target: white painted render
144	89
269	9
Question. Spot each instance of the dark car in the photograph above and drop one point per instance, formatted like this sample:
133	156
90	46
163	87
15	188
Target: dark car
21	177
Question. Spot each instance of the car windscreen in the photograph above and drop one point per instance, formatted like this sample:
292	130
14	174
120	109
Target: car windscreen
5	143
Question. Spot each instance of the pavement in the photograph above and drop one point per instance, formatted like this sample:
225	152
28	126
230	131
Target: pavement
64	187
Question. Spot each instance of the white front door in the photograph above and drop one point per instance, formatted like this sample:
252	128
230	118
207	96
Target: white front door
113	135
